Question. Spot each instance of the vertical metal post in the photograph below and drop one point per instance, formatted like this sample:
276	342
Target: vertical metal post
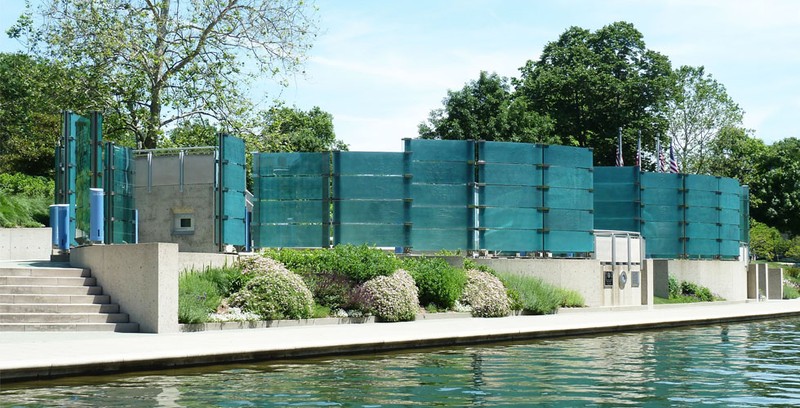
181	156
96	215
149	171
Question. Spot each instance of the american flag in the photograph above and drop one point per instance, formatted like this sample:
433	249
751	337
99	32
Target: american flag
659	157
673	162
620	162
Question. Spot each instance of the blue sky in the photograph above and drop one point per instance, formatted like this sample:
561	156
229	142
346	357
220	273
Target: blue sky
379	67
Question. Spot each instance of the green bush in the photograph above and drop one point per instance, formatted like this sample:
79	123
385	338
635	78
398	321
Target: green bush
21	211
700	292
26	186
227	279
790	291
437	281
687	292
392	298
486	295
197	297
273	292
792	273
359	263
538	297
673	287
330	289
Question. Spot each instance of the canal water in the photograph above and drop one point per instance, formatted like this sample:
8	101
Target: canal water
736	365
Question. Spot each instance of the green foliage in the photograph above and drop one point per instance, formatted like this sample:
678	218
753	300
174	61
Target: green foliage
320	311
486	295
285	129
228	280
765	241
359	263
274	293
688	292
790	291
775	187
700	292
486	109
792	273
674	288
20	211
331	289
26	185
391	298
197	297
538	297
438	282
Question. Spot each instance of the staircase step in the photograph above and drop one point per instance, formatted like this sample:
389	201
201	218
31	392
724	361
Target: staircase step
53	299
57	308
52	272
46	281
49	318
51	290
71	327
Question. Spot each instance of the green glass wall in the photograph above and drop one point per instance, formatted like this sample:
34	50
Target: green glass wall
369	199
120	219
231	209
567	182
617	199
292	200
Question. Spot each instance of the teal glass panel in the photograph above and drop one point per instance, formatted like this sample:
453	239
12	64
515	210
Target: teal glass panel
729	249
567	177
662	196
698	230
368	187
509	152
510	174
729	186
662	213
567	156
615	175
619	224
290	211
511	196
701	182
730	201
615	192
440	217
702	214
564	242
291	188
441	172
569	198
616	210
426	239
441	194
729	232
744	213
662	229
700	198
292	235
668	247
120	223
440	150
702	248
233	210
661	180
729	217
511	240
380	235
369	211
81	131
568	220
282	164
367	163
514	218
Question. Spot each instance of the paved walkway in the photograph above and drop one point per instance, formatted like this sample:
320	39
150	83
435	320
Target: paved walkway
38	355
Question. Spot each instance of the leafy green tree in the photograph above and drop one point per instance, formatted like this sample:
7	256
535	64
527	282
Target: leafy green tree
33	92
696	113
765	241
486	110
163	61
285	129
592	83
191	133
777	187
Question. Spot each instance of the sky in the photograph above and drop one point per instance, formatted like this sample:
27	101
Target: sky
380	67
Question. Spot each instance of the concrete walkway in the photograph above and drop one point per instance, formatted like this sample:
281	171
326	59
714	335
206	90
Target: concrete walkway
40	355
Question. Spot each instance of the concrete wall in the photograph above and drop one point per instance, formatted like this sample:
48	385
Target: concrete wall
159	204
197	261
25	243
727	279
142	278
764	282
584	276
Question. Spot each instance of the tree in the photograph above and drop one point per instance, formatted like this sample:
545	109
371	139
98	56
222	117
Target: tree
765	242
592	83
777	187
285	129
696	114
33	92
486	110
163	61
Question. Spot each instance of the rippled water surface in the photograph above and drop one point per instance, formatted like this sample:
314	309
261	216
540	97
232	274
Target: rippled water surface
727	365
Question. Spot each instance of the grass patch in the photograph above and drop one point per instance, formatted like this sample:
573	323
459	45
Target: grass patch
537	296
197	297
790	291
673	300
18	211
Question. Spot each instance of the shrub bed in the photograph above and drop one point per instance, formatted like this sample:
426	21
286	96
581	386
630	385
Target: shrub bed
273	292
537	297
197	298
486	295
438	283
392	298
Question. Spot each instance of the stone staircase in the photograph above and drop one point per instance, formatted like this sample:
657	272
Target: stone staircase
52	298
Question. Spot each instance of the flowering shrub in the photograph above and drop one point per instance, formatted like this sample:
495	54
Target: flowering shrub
273	292
391	298
486	294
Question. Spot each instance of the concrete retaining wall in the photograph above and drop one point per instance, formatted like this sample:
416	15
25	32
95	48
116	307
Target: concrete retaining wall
142	278
25	243
764	282
198	261
727	279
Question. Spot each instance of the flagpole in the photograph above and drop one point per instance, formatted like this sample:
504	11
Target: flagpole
639	151
658	155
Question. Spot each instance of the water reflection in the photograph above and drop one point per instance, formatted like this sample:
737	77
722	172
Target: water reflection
725	365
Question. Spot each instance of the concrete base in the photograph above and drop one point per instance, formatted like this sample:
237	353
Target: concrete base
726	279
198	261
142	278
25	243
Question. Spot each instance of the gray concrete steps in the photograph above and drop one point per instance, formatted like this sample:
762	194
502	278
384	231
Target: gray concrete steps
58	308
70	327
57	299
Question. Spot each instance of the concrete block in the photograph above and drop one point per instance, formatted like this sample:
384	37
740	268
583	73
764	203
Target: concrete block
199	261
727	279
141	278
25	243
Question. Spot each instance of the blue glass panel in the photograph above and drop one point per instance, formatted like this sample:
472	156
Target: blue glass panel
366	163
368	187
515	218
510	174
509	152
511	240
562	242
567	156
441	194
569	198
511	196
567	177
423	239
441	172
440	217
440	150
370	212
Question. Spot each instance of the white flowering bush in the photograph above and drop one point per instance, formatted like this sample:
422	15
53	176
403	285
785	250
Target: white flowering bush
392	298
273	292
486	295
